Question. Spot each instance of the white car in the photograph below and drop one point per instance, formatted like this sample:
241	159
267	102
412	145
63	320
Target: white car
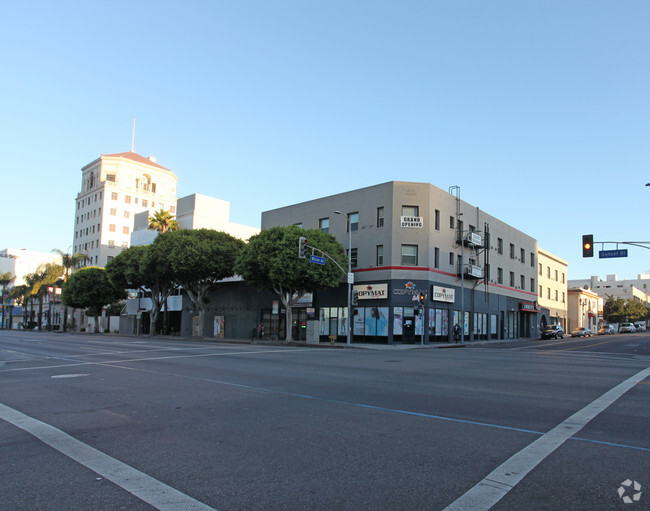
640	326
626	328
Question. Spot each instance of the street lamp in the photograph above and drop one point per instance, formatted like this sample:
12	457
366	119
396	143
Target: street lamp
350	276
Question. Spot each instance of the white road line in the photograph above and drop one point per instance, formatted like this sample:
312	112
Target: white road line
146	488
505	477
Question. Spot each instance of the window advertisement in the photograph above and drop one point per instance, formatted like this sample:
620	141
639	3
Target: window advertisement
219	326
466	324
493	325
382	321
324	321
359	320
432	321
371	321
419	324
343	321
398	315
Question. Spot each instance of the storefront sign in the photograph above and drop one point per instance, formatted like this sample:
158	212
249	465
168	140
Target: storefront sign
412	221
528	307
371	291
409	290
444	294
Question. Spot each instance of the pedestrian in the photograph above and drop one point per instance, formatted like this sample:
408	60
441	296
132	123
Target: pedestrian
456	333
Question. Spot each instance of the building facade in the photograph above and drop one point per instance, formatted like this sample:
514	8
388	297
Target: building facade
552	288
410	239
636	289
585	310
114	188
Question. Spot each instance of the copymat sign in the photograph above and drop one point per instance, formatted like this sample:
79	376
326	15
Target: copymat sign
443	294
371	291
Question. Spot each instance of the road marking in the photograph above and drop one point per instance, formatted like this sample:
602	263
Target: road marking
504	478
146	488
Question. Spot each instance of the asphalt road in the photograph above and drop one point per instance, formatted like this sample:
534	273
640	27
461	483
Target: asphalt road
121	423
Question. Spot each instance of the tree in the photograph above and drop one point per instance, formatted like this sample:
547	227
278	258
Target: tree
635	310
162	221
614	310
5	280
90	288
146	268
270	261
69	261
199	259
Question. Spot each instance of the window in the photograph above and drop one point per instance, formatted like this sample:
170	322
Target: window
523	255
113	195
109	259
380	216
324	224
436	257
499	246
532	259
113	212
451	222
512	279
556	292
532	285
153	187
451	258
110	177
353	221
522	282
127	214
556	276
512	251
563	279
548	293
410	210
562	296
499	275
125	230
127	199
111	228
354	258
380	255
540	291
540	269
111	243
548	272
437	220
145	203
410	255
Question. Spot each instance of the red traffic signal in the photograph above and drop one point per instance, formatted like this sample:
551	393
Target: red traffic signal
302	247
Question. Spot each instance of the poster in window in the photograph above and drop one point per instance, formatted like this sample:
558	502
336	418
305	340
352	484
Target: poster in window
382	321
343	321
324	322
432	321
359	320
445	322
419	324
397	320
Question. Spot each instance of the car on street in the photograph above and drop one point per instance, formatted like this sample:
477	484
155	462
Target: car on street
553	332
581	332
606	330
625	328
640	326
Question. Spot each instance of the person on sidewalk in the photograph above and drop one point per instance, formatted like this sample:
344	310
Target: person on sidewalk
456	333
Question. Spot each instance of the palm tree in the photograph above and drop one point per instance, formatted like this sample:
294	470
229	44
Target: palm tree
69	261
162	221
5	280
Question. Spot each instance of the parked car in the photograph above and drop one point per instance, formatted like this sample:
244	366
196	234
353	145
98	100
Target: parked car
553	332
640	326
626	328
606	330
581	332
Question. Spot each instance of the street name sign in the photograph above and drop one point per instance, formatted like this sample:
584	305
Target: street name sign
316	259
606	254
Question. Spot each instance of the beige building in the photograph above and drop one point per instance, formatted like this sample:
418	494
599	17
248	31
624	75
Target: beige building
637	289
114	188
552	286
585	309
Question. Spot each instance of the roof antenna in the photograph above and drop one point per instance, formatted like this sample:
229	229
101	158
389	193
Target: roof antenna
133	137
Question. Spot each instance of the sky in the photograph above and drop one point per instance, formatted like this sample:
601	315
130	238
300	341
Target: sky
538	110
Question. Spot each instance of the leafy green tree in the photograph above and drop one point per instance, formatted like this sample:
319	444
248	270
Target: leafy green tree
614	310
146	268
89	288
270	261
162	221
635	310
5	280
199	259
69	261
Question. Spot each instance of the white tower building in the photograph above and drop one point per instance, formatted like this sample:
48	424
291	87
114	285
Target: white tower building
114	188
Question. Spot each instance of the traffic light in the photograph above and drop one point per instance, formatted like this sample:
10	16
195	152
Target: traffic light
355	297
422	298
302	247
587	245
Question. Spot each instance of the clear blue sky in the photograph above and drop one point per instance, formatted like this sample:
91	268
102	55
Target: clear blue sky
539	111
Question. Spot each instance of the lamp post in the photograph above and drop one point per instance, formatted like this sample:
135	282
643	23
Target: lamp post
350	276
